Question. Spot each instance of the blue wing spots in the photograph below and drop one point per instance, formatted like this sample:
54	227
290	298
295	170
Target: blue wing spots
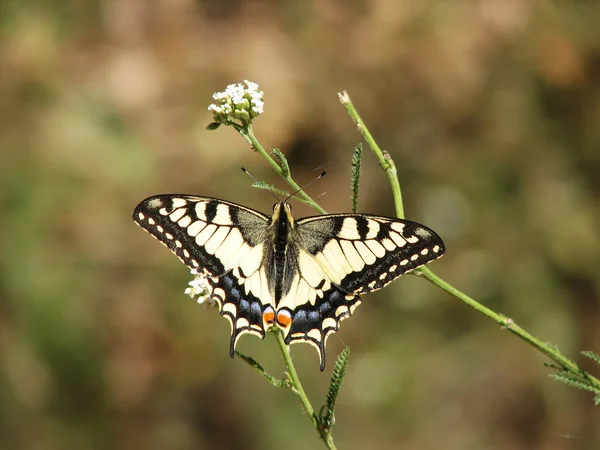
250	310
228	282
256	310
334	297
244	305
325	308
300	322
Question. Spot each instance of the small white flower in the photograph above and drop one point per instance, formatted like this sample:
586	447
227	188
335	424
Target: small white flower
238	103
198	287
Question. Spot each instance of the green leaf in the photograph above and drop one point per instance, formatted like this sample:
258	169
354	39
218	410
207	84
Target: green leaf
553	366
256	366
213	126
339	371
591	355
576	380
270	188
282	162
356	161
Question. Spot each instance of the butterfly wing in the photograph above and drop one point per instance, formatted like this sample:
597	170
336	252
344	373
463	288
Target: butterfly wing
223	241
363	253
330	260
341	256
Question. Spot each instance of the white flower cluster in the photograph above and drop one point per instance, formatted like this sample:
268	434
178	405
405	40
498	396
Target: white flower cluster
199	288
238	102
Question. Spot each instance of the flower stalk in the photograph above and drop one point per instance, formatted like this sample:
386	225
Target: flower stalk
233	111
386	163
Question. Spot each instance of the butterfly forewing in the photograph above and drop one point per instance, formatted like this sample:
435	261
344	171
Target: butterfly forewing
363	253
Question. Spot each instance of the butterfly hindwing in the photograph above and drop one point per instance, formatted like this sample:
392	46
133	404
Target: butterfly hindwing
218	239
244	311
314	322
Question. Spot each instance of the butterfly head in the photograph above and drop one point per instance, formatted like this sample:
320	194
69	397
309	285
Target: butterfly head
282	215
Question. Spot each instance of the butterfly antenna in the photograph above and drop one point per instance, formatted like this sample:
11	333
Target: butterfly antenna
320	195
259	183
305	186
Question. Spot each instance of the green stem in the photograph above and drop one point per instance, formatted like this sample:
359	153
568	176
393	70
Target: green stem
298	389
248	135
383	158
388	166
506	323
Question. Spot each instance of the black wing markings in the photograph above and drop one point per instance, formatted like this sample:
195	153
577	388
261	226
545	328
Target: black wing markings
358	254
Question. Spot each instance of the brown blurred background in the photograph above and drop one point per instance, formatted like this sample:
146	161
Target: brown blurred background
490	110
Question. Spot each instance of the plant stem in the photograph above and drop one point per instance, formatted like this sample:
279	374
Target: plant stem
299	391
248	135
383	158
296	387
388	166
506	323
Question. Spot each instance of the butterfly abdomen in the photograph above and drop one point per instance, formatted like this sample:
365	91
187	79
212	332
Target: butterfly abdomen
282	232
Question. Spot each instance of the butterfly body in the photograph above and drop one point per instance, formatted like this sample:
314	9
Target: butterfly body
303	276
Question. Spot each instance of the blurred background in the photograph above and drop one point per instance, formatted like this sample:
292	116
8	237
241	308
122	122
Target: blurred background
490	110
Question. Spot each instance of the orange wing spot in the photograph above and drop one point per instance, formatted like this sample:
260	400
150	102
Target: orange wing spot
283	319
269	317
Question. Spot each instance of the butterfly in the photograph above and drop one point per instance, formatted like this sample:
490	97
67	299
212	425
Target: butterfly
303	276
